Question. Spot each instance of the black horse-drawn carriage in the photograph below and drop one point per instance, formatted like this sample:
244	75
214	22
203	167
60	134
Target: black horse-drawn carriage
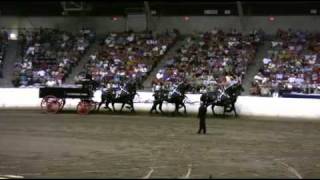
54	98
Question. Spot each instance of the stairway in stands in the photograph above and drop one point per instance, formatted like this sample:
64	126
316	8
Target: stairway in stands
167	56
82	63
254	68
10	58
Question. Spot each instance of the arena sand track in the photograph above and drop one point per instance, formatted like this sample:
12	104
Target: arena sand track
68	145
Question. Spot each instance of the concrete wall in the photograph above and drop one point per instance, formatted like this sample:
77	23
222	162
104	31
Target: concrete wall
246	105
311	23
136	22
160	24
206	23
99	24
195	23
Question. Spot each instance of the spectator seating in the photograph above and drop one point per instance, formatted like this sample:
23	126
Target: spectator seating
292	65
210	59
128	56
49	55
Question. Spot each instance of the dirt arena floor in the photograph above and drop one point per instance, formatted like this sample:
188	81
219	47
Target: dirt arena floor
68	145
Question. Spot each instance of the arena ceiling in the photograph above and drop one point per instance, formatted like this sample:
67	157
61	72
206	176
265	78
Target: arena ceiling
163	7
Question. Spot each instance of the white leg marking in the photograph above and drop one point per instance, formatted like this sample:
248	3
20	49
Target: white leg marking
149	174
13	176
10	176
291	169
189	171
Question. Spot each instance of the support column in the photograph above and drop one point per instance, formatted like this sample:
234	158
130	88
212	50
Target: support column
240	12
148	15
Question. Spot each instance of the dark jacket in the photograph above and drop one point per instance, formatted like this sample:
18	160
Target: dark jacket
202	111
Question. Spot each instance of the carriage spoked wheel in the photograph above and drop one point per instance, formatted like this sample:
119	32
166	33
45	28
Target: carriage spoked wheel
62	103
51	104
84	107
93	105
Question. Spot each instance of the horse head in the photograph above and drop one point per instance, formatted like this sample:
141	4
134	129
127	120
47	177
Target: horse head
234	90
183	87
130	89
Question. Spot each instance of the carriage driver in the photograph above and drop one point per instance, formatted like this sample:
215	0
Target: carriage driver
230	81
107	86
116	87
157	87
88	77
119	89
173	88
87	81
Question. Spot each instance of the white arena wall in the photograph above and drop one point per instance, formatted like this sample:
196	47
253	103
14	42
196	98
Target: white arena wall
246	105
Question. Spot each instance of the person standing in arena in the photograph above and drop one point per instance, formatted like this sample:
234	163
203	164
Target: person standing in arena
202	118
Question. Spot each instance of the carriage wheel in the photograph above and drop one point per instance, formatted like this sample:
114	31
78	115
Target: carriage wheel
93	106
53	107
83	107
61	103
50	104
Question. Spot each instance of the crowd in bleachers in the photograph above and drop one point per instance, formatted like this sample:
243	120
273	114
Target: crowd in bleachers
292	65
128	56
4	37
206	60
48	55
210	60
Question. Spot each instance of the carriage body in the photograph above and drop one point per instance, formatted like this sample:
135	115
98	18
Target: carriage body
66	92
54	98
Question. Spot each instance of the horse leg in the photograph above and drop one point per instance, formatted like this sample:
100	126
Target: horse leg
102	101
99	106
224	111
234	109
63	103
122	106
177	108
151	110
114	110
212	107
107	106
154	107
160	107
132	107
185	109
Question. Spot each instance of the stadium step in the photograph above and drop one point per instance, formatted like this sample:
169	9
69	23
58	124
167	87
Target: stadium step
9	61
167	56
82	63
254	68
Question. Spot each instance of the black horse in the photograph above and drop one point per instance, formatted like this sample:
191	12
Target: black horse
159	97
177	97
126	96
225	98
